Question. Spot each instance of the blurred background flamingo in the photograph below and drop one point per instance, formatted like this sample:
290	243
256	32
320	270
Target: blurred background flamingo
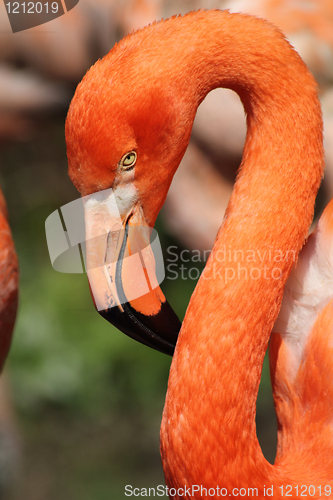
71	388
9	447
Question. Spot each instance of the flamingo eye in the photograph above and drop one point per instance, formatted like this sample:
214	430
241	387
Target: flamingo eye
128	160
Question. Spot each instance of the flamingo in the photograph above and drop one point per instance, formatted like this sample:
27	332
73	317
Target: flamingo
127	128
8	283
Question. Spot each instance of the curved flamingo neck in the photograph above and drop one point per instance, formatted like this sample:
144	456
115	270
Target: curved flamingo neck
208	434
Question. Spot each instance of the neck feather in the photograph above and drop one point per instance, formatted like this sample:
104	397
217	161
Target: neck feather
208	430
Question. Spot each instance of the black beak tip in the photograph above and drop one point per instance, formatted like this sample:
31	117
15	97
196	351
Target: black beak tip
158	331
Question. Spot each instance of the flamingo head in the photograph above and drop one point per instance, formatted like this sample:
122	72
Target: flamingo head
126	132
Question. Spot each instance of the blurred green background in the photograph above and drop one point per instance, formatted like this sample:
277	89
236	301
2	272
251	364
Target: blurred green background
88	400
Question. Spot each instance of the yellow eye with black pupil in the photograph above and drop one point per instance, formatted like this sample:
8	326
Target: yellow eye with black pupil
128	160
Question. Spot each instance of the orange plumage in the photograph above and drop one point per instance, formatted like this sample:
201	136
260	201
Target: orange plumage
8	283
142	97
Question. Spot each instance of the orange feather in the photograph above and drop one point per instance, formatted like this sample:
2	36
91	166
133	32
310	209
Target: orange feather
143	97
8	283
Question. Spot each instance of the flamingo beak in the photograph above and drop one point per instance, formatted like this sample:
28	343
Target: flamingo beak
123	272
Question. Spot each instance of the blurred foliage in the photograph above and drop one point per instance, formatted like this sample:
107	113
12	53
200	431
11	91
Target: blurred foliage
89	399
